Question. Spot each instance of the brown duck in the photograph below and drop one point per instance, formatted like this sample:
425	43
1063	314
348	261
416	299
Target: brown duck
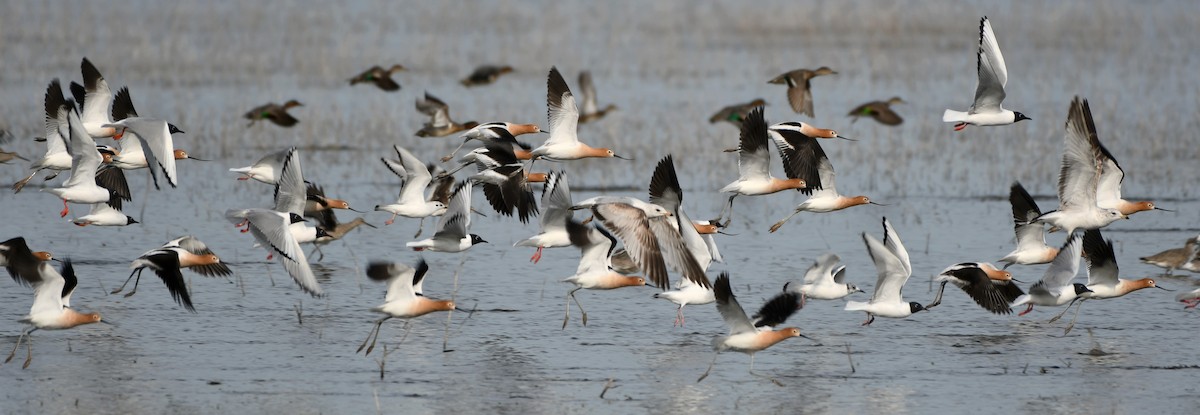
799	94
275	113
440	124
881	111
380	77
486	74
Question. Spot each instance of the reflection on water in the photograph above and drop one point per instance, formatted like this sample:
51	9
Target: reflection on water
258	344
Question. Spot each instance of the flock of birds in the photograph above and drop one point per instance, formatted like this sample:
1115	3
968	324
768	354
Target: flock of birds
621	236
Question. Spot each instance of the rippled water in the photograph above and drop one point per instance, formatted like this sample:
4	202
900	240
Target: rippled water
668	65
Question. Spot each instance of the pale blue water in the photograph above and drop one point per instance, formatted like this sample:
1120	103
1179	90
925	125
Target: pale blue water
668	66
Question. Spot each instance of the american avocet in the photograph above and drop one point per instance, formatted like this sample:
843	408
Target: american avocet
271	229
799	86
412	202
563	121
891	262
51	304
56	159
595	271
824	280
1103	269
498	132
750	336
266	169
85	160
1080	175
169	261
1191	298
405	298
106	213
505	182
991	288
1108	188
556	212
439	124
650	236
1031	237
754	164
989	92
485	74
17	258
97	99
1102	273
736	113
380	77
274	113
1055	288
1175	258
317	202
805	160
880	111
588	109
334	229
665	191
452	233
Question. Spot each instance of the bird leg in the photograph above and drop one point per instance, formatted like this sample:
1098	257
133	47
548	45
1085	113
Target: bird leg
28	352
390	221
779	224
65	210
870	319
1064	310
14	350
537	256
1192	303
1027	310
452	153
420	227
960	126
773	380
710	366
1076	317
122	287
678	317
937	300
567	314
728	206
373	334
21	184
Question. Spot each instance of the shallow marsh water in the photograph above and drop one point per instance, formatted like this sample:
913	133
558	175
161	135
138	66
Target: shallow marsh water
668	66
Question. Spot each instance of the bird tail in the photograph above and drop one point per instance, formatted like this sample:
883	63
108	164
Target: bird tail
856	306
954	116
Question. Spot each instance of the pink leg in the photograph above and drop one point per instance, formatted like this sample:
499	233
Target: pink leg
1191	303
1027	310
243	178
390	221
65	210
870	319
537	256
960	126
